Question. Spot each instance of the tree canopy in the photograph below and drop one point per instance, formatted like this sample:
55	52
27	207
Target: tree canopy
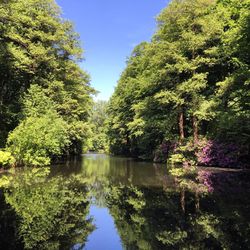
189	83
41	81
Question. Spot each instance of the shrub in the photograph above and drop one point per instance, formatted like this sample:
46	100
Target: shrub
183	153
215	153
6	159
37	139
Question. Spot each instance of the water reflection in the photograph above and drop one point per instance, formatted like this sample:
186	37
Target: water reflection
105	236
100	202
43	213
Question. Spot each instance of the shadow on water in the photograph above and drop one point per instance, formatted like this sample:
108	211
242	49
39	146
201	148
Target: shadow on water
103	202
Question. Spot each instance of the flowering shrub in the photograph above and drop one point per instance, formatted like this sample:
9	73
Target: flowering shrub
206	153
215	153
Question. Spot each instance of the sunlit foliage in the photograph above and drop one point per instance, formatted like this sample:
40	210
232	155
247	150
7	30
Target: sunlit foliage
190	82
39	54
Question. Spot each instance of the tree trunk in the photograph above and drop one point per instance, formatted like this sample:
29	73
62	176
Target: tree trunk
195	130
183	200
181	125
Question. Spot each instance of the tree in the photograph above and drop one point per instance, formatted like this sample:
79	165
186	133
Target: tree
98	122
189	83
42	133
39	47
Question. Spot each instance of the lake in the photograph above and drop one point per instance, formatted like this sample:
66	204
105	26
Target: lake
100	202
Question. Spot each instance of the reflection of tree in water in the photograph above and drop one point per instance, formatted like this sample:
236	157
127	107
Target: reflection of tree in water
154	219
166	212
102	171
48	210
43	213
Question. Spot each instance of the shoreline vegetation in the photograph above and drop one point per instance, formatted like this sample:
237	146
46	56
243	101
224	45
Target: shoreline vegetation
181	101
183	97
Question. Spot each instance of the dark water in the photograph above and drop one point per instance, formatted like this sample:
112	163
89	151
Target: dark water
107	203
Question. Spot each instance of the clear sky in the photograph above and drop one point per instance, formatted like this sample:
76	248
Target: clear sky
109	30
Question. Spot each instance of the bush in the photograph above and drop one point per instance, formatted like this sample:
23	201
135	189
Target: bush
6	159
222	154
210	153
37	139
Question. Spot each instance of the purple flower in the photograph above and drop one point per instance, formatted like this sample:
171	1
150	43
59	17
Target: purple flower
215	153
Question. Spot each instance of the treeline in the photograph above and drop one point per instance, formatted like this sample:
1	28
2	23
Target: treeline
45	97
97	140
185	94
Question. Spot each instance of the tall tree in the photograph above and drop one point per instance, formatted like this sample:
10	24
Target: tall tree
39	47
190	81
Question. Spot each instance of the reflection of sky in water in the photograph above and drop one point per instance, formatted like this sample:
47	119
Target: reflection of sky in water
105	237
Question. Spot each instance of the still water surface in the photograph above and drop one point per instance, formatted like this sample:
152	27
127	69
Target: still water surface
100	202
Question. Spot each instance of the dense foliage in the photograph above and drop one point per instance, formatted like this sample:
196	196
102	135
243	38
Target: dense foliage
41	134
98	140
6	159
184	95
39	55
189	84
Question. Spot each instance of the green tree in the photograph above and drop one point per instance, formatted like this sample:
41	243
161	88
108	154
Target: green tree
42	133
232	96
190	82
39	47
98	140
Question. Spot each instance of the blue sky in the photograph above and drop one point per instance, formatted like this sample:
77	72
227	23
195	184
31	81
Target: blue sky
109	30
